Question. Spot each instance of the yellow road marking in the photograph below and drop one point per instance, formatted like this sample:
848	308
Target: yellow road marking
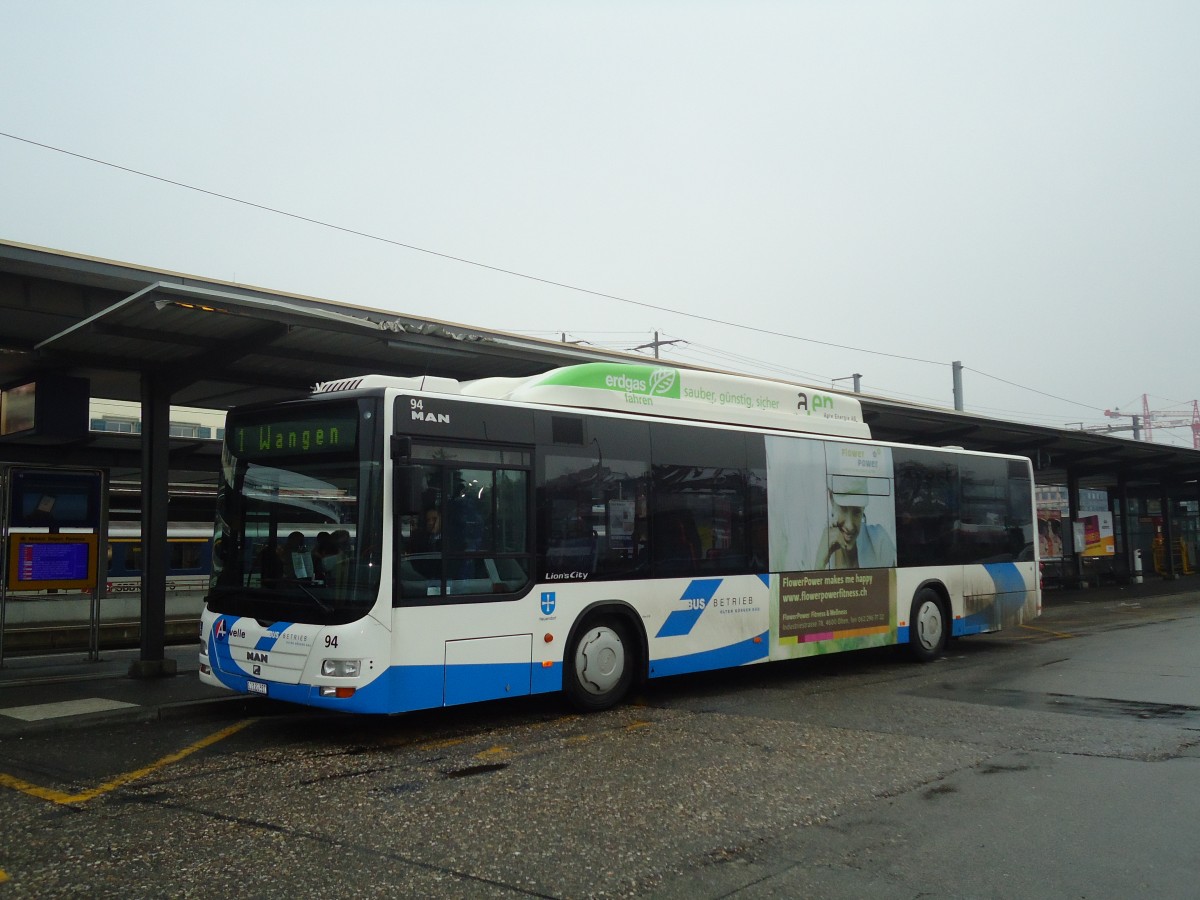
3	876
1059	634
65	799
437	745
493	751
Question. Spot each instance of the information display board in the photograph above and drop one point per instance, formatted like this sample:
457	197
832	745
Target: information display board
42	562
53	498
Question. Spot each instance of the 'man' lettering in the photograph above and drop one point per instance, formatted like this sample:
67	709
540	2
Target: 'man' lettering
439	418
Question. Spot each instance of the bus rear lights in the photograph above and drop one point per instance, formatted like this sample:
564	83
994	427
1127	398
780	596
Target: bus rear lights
341	693
341	668
204	669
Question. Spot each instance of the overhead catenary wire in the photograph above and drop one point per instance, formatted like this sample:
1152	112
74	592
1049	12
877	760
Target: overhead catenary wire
1034	390
453	258
512	272
753	364
821	377
708	353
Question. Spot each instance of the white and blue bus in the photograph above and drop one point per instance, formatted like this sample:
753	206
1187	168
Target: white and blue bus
394	544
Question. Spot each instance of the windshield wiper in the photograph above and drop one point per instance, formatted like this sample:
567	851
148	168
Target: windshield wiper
325	607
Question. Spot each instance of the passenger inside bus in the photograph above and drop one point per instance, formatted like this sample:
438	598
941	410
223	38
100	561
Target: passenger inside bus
270	563
427	538
322	548
339	564
297	563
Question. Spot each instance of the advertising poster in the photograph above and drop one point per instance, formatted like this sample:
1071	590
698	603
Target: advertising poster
1099	539
833	530
1050	543
827	606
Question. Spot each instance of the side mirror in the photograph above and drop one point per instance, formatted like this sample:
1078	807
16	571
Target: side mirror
408	488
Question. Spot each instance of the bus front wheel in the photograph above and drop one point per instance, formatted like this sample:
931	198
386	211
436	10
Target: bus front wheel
600	665
927	627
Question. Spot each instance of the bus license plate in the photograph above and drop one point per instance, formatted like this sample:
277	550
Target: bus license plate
256	687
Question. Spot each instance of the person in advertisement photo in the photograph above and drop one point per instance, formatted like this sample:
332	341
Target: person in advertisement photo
850	541
834	507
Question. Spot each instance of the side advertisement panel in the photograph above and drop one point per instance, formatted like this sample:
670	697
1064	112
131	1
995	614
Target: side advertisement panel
833	534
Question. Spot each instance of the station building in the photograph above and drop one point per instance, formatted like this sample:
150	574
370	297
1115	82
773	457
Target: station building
127	371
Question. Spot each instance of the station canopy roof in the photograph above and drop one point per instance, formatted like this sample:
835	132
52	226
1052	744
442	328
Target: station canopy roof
221	345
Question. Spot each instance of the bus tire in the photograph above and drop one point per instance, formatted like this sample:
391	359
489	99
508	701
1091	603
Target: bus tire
600	665
927	625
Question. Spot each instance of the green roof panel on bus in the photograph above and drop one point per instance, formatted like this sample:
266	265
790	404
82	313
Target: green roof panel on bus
657	391
684	393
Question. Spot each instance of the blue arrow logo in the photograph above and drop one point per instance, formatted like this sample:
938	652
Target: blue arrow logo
695	600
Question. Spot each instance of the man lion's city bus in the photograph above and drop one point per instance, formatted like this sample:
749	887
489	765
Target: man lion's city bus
394	544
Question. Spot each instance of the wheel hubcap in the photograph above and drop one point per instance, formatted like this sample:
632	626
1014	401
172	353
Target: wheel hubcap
600	660
929	625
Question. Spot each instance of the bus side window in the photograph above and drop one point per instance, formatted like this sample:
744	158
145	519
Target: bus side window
473	537
592	502
926	505
702	502
676	543
420	534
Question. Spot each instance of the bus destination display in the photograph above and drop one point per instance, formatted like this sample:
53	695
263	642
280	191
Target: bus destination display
315	436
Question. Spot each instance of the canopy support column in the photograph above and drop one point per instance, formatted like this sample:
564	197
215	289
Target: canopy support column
156	433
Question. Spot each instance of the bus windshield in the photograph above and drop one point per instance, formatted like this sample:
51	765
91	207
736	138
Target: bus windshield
298	517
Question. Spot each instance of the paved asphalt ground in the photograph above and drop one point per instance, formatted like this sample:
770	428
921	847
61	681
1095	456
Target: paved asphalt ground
40	693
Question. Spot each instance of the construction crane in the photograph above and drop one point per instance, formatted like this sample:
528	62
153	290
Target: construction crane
1144	423
1136	427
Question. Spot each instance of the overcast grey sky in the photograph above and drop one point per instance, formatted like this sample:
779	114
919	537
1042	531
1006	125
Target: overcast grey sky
1013	185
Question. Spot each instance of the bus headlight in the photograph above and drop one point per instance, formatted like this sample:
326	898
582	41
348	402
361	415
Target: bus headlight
340	668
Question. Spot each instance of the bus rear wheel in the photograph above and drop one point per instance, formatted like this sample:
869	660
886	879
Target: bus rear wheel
600	665
927	629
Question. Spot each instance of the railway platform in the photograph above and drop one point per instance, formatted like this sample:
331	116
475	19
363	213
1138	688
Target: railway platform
67	690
